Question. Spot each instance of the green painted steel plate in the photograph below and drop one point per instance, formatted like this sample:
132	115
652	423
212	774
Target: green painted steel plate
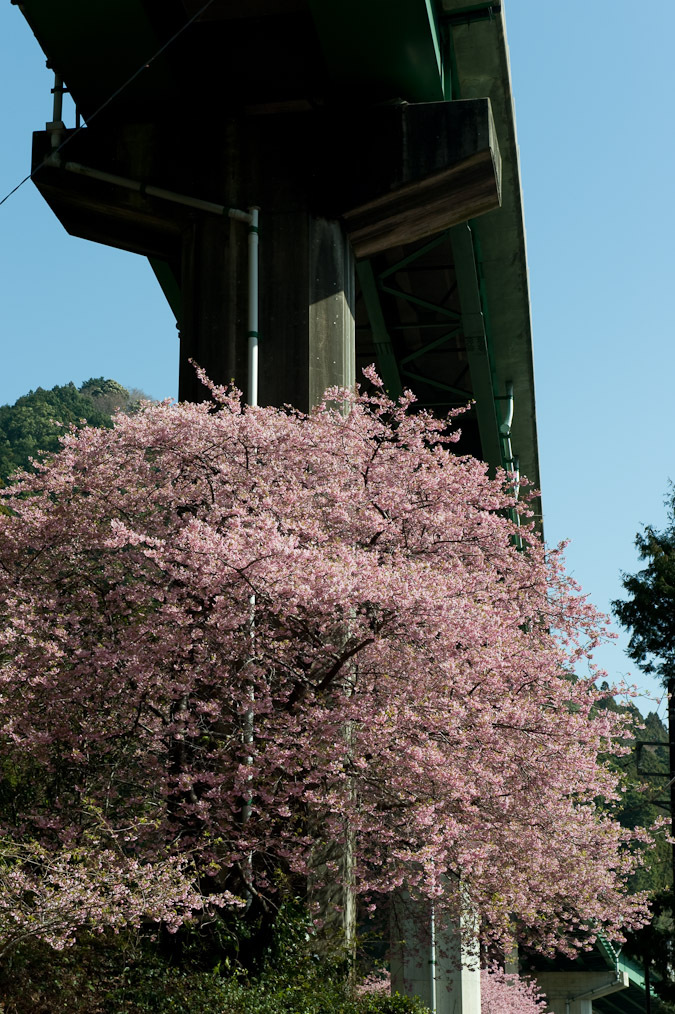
383	48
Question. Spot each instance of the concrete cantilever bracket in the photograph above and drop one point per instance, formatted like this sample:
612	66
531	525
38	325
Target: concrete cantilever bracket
566	993
419	169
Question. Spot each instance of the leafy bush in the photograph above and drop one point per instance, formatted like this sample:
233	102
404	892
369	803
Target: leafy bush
118	975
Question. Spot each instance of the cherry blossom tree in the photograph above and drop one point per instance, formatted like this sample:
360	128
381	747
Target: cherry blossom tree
240	634
51	895
500	992
503	993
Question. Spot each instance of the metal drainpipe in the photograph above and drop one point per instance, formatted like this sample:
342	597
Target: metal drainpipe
253	272
511	463
510	460
432	958
56	126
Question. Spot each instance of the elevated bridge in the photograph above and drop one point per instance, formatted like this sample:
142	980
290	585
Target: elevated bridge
378	139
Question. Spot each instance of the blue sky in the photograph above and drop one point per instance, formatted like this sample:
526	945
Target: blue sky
592	87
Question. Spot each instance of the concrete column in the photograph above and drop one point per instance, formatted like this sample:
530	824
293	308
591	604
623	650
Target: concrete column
307	335
331	333
437	962
307	275
332	894
307	340
458	966
412	949
213	324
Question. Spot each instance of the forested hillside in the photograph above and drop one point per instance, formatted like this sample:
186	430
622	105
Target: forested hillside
645	799
30	428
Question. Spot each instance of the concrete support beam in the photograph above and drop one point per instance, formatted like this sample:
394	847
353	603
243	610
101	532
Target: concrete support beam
307	341
212	327
384	350
331	298
439	963
574	992
306	308
306	263
381	49
412	949
421	169
330	185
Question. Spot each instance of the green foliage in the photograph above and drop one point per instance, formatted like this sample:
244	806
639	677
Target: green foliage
109	397
649	611
111	975
31	427
644	771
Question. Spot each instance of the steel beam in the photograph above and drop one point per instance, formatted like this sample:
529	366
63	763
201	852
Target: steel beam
475	338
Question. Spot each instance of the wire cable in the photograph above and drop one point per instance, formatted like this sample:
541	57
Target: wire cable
144	66
18	186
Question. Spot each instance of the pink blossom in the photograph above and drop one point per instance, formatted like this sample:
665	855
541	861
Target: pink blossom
244	633
503	993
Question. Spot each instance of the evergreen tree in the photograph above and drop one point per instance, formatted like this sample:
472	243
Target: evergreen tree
32	426
649	614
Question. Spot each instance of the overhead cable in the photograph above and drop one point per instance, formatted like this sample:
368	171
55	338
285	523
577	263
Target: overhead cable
104	105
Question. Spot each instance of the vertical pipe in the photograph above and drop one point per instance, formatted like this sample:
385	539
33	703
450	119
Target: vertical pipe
252	399
253	283
432	958
55	128
671	743
57	91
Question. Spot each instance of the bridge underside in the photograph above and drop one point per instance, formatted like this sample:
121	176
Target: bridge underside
391	228
317	213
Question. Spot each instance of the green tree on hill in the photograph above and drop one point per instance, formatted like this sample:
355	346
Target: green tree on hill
31	427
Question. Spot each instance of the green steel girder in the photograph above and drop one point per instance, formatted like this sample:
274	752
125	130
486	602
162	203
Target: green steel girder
383	48
444	338
472	12
399	265
420	326
464	396
379	50
405	261
470	322
416	301
476	57
475	338
384	351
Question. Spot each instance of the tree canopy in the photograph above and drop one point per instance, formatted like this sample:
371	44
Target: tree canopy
649	611
231	636
34	424
503	993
